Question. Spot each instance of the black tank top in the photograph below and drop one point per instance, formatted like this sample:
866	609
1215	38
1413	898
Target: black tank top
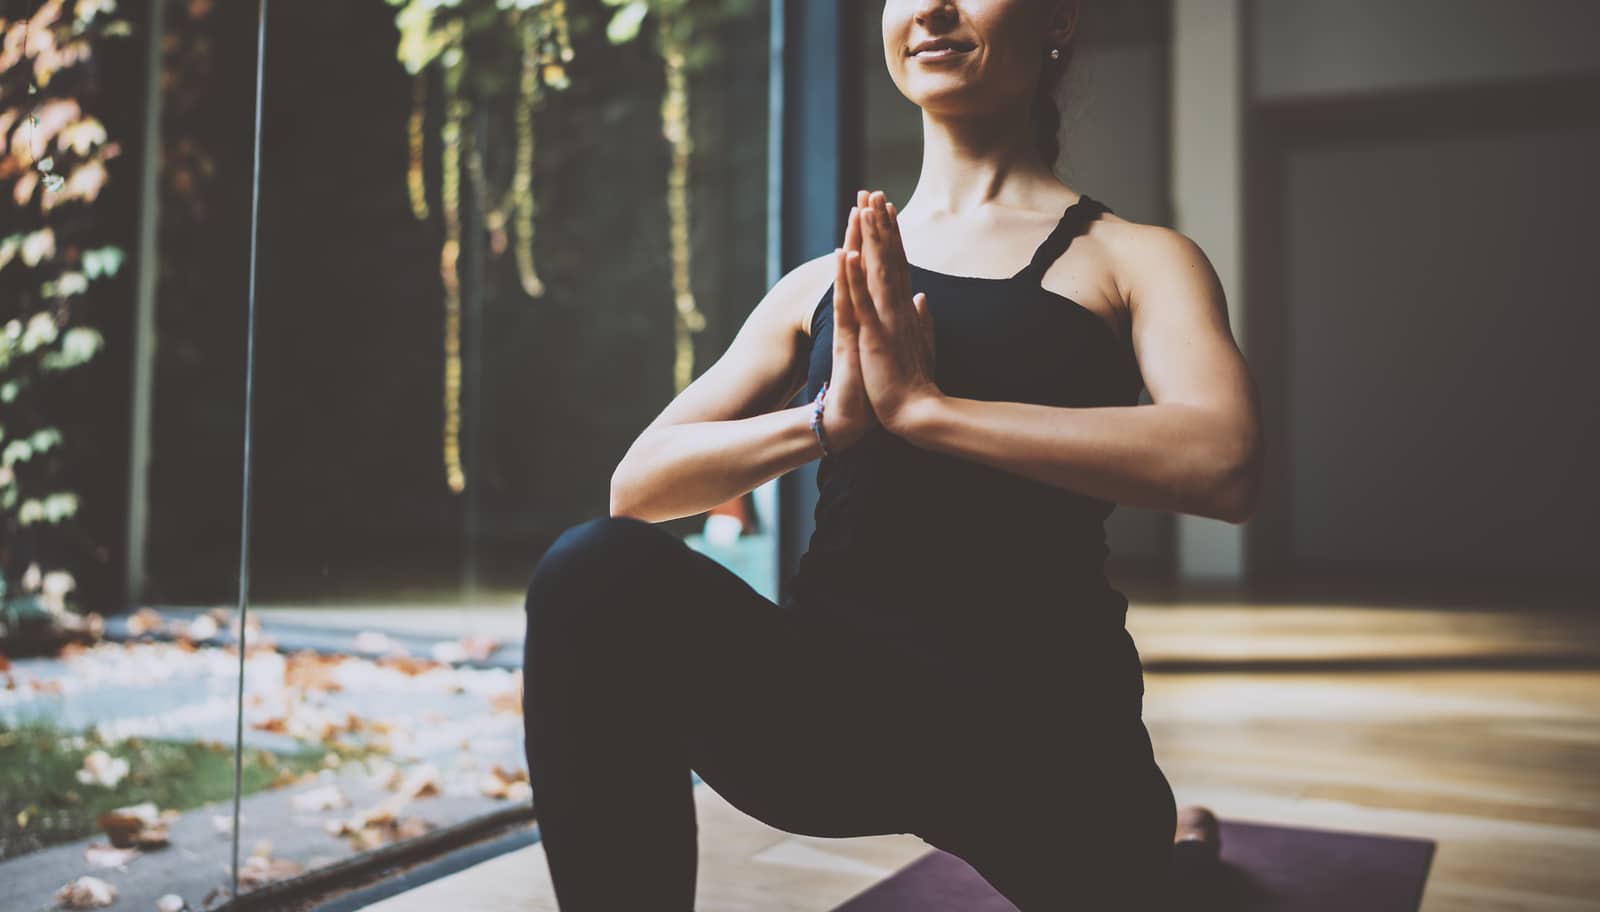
953	559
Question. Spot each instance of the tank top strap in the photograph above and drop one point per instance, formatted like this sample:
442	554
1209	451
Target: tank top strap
1073	221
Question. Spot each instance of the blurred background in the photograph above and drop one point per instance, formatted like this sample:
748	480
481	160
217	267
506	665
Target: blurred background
493	238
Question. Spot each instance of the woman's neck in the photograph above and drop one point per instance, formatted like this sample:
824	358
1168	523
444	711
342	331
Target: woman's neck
972	163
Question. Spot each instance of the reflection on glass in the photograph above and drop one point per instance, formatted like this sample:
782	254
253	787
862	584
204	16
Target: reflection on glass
116	726
496	239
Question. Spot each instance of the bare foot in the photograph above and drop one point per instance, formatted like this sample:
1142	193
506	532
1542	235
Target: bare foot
1198	829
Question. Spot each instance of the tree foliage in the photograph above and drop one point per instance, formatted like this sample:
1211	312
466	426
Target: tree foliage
54	252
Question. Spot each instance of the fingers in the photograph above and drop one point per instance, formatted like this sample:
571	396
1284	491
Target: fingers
875	269
841	294
866	315
892	220
887	271
899	269
876	296
845	309
859	298
925	319
844	315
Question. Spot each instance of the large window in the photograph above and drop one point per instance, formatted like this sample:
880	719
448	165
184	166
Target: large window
493	240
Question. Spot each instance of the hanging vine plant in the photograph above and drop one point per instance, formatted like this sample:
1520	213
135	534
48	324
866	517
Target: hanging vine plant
53	253
474	45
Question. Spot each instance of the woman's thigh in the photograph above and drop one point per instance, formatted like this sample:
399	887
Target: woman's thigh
789	727
1062	820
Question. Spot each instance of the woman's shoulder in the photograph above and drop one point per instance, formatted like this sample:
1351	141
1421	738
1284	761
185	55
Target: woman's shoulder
803	288
1134	240
1139	248
1151	260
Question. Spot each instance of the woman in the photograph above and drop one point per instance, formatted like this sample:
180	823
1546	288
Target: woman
952	662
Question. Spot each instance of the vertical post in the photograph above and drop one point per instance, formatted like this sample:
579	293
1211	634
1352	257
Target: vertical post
474	288
248	471
1208	79
818	151
143	343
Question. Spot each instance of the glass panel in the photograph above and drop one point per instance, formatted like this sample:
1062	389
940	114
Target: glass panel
496	239
121	368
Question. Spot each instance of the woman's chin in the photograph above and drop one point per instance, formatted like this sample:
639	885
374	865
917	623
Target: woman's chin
945	97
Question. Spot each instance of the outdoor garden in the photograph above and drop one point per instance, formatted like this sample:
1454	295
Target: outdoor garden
293	398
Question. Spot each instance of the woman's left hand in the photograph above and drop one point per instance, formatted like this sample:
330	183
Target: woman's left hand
896	330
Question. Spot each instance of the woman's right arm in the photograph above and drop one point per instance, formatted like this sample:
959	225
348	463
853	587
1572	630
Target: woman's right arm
727	432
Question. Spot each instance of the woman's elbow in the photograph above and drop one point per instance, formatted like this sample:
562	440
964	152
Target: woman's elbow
623	500
1236	486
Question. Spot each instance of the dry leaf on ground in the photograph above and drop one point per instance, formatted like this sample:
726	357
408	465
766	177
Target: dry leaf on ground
87	892
102	855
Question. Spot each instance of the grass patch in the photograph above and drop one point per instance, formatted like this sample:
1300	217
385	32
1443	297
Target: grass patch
44	804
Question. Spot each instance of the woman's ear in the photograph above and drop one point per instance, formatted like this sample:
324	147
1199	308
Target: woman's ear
1063	24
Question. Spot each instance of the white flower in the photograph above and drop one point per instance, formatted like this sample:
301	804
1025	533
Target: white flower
42	330
38	245
59	582
100	768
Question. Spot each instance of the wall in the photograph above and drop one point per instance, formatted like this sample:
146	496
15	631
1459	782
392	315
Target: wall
1423	191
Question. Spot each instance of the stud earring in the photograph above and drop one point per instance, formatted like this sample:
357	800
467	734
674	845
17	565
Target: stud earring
1055	53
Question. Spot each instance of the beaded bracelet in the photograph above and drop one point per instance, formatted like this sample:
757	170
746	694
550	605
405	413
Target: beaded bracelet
816	419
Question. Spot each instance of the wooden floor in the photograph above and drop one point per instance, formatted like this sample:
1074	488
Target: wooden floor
1479	729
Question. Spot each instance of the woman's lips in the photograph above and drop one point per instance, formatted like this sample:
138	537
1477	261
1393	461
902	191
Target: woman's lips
939	53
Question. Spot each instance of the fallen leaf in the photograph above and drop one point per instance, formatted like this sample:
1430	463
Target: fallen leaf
420	781
378	642
87	892
325	798
259	870
101	855
135	825
145	620
203	627
223	823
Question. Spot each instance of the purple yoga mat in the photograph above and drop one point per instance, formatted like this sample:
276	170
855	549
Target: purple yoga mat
1265	868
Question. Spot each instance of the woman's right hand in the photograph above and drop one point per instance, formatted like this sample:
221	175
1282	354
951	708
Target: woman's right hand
847	414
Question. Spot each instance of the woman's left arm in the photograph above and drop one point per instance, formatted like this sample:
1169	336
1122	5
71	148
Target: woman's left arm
1197	449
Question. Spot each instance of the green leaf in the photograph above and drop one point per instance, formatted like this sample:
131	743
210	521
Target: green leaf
41	330
78	345
624	26
45	438
104	261
16	451
53	508
68	283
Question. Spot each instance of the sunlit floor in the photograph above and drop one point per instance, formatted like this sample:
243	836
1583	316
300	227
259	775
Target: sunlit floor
1478	729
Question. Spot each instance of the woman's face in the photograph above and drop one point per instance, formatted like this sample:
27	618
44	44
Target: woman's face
1001	47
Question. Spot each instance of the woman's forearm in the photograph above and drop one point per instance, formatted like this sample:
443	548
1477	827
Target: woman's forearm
1167	456
684	469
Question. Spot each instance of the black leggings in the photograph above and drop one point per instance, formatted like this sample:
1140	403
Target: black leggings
646	659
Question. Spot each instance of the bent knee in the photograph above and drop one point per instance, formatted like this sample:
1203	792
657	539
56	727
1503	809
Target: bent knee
599	552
